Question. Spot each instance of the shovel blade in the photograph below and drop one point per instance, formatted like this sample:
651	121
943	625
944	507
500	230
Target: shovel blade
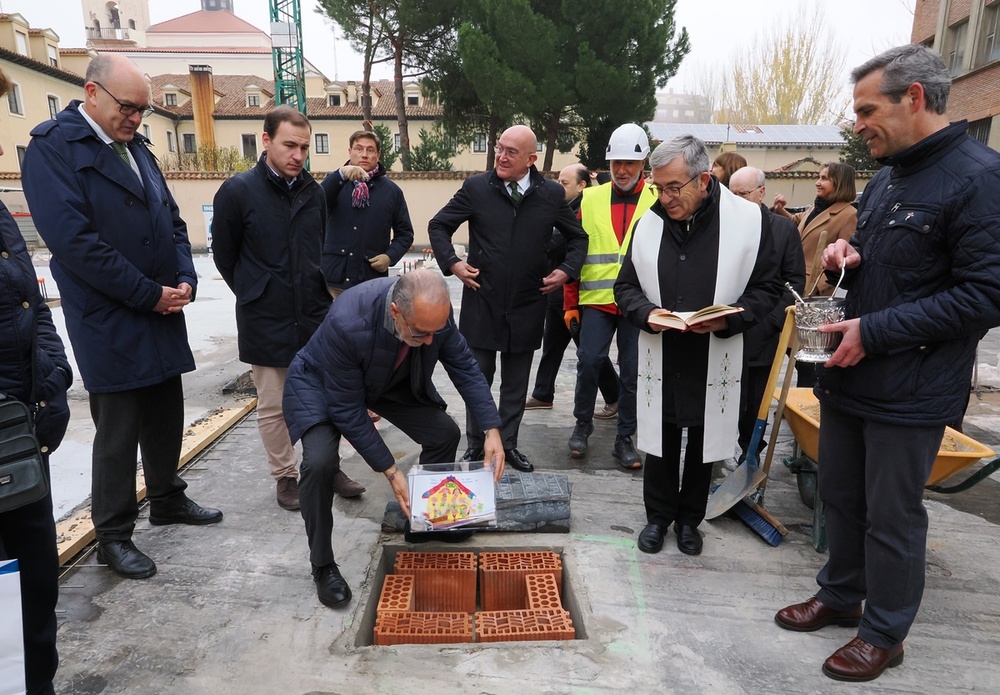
737	485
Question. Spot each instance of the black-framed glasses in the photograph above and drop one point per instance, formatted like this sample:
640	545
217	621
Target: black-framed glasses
744	194
421	336
127	109
672	191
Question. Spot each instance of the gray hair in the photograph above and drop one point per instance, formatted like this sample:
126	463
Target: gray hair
424	283
687	146
753	173
905	65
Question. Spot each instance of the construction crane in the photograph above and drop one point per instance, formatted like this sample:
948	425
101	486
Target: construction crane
286	49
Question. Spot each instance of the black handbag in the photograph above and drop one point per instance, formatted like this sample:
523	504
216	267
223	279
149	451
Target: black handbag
22	472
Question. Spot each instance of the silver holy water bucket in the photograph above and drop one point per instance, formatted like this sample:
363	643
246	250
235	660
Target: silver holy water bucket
810	314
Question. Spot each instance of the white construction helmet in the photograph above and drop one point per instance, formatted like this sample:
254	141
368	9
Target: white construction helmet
628	142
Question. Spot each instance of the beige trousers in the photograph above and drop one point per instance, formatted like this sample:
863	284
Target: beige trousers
270	382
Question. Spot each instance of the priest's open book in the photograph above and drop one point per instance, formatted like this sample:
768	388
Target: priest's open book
682	320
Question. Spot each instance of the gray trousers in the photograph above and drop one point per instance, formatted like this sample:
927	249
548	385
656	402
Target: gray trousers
871	480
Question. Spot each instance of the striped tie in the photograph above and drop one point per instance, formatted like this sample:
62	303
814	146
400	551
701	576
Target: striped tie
119	147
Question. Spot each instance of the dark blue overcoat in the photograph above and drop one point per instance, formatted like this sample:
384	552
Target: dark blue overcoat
115	243
346	365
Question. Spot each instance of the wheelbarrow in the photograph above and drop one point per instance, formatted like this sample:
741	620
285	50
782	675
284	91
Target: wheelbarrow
802	416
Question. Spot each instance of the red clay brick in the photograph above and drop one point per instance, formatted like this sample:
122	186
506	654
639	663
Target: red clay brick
422	628
502	577
524	625
397	594
442	581
542	592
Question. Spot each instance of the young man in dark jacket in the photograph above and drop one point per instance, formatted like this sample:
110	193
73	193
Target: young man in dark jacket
369	228
923	279
267	237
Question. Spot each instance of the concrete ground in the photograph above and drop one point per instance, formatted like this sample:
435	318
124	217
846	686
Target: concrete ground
233	608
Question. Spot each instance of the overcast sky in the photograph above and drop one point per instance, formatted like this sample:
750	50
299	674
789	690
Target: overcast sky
716	28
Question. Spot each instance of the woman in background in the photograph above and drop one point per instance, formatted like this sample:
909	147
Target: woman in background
34	370
725	165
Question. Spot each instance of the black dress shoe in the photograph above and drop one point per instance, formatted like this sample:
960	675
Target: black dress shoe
472	455
518	461
331	587
688	539
188	512
125	559
651	538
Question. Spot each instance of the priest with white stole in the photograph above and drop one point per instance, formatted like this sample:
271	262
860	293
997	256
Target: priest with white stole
698	245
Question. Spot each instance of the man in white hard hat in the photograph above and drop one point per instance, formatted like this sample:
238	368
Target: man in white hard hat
608	214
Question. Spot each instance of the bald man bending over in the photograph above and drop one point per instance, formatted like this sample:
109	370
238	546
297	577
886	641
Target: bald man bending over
377	349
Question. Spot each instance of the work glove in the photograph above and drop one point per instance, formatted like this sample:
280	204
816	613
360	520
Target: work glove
380	263
572	320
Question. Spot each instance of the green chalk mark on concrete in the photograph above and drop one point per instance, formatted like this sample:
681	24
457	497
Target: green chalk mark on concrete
638	647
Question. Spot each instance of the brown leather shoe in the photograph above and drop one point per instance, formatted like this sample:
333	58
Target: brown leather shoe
812	615
608	412
288	493
859	661
345	487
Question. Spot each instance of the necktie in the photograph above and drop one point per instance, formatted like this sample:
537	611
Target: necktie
401	353
119	147
515	193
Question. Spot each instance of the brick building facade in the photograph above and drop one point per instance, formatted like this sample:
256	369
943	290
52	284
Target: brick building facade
967	35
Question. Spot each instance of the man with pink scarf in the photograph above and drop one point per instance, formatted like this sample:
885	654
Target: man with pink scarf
368	226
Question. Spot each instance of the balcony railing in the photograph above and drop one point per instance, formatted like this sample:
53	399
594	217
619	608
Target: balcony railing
109	34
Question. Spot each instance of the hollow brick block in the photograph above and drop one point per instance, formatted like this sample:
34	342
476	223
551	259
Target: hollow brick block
502	577
397	594
422	628
442	581
542	592
524	625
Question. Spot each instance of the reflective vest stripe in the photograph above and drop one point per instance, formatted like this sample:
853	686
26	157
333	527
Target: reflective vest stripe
602	258
592	285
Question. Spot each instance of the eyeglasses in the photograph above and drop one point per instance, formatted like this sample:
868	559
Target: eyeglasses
744	194
128	109
364	150
509	151
420	336
672	191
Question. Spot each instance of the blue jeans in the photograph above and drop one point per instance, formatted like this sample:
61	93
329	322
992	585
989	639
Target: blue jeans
597	328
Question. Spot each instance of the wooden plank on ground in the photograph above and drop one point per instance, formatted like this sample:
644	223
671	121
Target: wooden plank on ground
75	532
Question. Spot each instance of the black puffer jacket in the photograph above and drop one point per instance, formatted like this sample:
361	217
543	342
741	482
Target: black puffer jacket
267	240
26	321
928	286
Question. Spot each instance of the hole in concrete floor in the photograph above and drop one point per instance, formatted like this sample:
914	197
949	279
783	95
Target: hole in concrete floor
387	562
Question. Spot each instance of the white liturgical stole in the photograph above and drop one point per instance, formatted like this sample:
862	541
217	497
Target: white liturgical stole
739	240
